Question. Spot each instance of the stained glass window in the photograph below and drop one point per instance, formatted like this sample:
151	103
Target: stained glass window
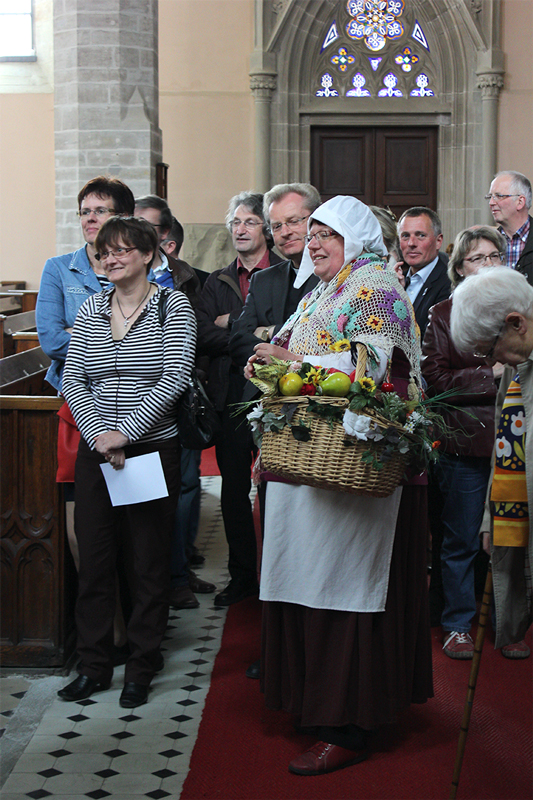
406	59
331	36
375	21
391	81
327	83
374	49
342	59
422	82
358	81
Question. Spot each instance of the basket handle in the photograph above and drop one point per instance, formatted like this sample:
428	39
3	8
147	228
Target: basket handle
360	368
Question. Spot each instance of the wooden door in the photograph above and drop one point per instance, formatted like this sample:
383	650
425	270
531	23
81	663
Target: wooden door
385	166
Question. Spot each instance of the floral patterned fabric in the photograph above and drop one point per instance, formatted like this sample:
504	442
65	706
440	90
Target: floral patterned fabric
509	488
363	303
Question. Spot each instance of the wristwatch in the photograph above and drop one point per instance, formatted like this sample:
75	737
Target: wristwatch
265	335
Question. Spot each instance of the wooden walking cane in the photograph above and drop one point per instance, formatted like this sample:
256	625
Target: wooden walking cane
478	647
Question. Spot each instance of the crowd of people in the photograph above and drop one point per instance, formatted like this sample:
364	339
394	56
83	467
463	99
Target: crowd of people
345	644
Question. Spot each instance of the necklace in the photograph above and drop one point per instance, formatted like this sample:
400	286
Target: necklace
127	318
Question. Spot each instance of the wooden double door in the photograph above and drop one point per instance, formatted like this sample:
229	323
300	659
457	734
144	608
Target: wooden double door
395	167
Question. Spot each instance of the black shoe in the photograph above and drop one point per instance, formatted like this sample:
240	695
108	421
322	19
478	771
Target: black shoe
254	670
235	592
133	695
82	688
196	559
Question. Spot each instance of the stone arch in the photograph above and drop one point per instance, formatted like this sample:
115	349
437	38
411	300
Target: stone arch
464	39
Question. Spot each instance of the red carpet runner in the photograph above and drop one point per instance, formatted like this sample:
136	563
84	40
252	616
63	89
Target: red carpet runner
243	750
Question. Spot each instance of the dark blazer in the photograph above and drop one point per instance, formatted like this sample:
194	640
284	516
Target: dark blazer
436	288
220	295
269	302
525	262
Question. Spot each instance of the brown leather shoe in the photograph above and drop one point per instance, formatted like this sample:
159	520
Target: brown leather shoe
199	586
182	597
324	757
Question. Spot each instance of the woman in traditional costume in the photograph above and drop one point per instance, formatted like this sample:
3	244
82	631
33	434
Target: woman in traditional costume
346	637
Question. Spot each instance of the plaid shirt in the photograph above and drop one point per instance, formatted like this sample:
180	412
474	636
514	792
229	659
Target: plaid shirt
516	245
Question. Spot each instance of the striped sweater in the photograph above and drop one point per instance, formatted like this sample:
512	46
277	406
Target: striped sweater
129	385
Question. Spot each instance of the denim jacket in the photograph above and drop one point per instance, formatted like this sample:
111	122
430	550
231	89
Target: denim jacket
67	281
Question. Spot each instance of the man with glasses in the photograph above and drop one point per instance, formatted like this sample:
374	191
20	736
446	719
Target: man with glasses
272	297
509	200
221	302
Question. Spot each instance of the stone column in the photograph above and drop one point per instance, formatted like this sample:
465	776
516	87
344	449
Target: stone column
490	83
106	100
262	84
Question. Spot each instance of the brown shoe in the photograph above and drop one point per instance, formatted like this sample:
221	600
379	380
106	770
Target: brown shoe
182	597
199	586
324	757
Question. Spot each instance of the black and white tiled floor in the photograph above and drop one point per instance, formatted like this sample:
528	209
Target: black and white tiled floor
95	749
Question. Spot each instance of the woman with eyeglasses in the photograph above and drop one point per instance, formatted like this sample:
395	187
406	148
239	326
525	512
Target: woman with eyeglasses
346	639
463	469
129	360
67	281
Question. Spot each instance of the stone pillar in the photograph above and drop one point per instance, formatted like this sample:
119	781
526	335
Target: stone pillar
262	86
490	84
106	100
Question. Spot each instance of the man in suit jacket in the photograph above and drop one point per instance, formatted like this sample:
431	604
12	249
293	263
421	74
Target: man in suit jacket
427	282
221	303
272	297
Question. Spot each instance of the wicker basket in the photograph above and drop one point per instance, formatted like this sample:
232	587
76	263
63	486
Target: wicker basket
325	461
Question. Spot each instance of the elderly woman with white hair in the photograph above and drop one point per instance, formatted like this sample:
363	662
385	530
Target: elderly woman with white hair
492	315
346	640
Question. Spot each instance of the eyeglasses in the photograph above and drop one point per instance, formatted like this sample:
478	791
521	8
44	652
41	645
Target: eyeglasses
249	224
490	352
99	212
120	252
320	236
498	196
493	258
290	223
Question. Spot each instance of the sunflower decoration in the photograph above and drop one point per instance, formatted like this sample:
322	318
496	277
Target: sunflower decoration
342	346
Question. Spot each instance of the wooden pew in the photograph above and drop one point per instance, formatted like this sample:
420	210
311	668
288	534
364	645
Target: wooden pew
16	323
26	297
10	303
38	576
24	373
25	340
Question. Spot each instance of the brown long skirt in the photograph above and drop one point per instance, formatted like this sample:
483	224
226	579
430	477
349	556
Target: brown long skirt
337	668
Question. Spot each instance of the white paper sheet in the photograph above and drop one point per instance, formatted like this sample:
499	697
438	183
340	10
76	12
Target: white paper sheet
142	479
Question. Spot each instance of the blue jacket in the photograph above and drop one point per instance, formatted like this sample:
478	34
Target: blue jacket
67	281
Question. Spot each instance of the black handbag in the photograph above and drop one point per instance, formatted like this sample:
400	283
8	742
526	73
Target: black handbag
198	421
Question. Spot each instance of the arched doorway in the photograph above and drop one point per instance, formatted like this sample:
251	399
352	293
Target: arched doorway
428	73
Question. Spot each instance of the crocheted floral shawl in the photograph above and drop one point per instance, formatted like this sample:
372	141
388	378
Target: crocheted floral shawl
363	303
